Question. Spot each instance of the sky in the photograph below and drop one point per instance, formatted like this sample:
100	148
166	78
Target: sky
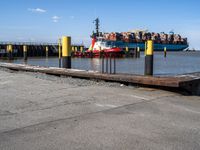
48	20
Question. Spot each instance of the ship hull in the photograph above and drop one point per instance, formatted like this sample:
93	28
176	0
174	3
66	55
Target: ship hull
157	47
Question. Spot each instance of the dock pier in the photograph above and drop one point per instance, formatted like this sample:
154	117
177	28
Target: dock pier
189	83
33	49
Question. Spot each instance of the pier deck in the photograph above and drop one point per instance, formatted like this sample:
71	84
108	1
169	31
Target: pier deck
186	82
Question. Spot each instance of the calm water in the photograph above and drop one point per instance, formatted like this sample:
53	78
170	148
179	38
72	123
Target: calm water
175	63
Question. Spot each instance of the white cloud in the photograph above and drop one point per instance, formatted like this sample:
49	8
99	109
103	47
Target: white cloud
56	18
37	10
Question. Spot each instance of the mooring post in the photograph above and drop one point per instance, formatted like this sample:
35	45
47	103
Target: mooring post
25	52
102	62
47	51
72	52
138	52
81	49
110	63
114	64
127	51
106	64
91	54
135	52
10	52
66	52
59	52
149	58
165	52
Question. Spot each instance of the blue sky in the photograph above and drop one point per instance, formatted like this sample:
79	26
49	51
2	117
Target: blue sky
47	20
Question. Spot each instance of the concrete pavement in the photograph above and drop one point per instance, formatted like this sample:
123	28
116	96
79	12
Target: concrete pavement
39	112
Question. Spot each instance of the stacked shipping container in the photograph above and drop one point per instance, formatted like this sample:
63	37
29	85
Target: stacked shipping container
160	38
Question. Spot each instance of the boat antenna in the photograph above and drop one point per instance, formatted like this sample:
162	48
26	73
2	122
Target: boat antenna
96	21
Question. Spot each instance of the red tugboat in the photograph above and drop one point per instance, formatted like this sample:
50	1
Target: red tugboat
100	46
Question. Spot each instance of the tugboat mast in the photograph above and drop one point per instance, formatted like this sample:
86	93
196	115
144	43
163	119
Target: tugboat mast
96	21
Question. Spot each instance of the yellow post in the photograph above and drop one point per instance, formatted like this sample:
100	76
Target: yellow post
72	48
165	52
149	47
127	49
76	49
47	51
25	52
10	48
138	52
81	49
66	52
149	58
10	51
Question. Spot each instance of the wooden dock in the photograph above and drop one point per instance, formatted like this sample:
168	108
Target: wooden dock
186	82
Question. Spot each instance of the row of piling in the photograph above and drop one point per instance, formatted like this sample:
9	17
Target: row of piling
108	60
149	59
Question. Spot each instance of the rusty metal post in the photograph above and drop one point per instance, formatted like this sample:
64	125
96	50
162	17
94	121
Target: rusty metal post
106	64
114	64
110	63
135	52
102	62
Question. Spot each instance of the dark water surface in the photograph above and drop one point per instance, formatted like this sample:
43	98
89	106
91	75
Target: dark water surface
175	63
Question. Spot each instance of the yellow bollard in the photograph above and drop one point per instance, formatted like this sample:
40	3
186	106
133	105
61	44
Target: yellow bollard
76	49
66	52
72	48
149	58
10	52
25	52
165	52
138	52
47	51
127	49
81	49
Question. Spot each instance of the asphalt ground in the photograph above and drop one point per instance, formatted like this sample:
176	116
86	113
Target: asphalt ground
42	112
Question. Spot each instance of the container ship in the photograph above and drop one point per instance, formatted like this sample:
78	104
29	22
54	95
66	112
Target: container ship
116	42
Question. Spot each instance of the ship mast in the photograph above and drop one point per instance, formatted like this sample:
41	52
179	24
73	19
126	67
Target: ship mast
96	21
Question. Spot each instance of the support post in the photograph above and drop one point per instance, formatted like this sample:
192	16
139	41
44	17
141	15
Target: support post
106	64
165	52
66	52
135	52
114	64
81	49
149	58
138	52
127	51
25	52
47	51
102	62
110	63
10	52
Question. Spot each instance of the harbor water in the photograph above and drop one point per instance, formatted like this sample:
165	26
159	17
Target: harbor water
175	63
